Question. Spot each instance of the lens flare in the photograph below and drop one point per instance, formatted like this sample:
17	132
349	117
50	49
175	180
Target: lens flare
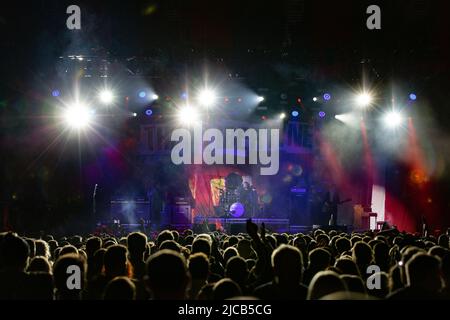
78	116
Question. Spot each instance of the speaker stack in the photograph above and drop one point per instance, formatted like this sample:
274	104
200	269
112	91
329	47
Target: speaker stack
181	212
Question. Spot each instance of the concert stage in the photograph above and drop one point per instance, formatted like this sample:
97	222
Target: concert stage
233	225
228	225
237	225
207	224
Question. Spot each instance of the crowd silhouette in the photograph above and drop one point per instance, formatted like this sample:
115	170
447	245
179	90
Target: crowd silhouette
257	264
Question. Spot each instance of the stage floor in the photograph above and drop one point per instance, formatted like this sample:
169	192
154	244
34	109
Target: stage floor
238	225
199	220
232	226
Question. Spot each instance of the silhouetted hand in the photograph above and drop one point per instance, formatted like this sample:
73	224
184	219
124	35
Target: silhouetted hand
263	231
252	229
214	245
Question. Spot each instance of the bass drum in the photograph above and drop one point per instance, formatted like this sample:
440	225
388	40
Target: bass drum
237	210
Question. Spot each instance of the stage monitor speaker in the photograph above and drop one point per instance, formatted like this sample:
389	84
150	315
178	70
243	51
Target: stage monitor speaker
202	228
329	228
299	213
237	228
181	214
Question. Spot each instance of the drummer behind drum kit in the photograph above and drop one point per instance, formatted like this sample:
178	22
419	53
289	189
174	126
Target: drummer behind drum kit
235	201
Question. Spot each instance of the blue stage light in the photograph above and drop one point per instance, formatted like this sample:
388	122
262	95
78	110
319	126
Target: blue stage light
322	114
295	113
149	112
142	94
55	93
327	97
412	97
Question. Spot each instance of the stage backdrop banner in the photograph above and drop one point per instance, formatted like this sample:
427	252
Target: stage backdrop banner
217	184
204	182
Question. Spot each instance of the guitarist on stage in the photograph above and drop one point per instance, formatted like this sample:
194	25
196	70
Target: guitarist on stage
331	202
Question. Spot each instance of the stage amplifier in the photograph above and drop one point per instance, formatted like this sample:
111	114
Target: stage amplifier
181	214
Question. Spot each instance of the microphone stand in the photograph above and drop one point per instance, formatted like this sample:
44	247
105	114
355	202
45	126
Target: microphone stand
94	203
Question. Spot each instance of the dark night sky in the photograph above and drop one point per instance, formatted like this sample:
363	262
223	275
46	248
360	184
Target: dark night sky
413	43
315	26
412	46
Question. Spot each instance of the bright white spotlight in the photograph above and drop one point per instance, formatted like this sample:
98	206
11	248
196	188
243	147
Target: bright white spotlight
260	99
282	115
155	97
106	96
315	99
207	97
363	99
78	116
188	115
393	119
351	119
346	118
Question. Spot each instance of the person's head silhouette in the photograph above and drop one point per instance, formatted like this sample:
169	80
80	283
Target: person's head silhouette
201	244
229	253
287	263
163	236
39	264
137	244
347	266
325	283
115	261
226	289
92	245
42	248
362	254
443	241
170	245
14	252
120	288
69	269
199	266
319	259
343	245
236	270
167	275
423	272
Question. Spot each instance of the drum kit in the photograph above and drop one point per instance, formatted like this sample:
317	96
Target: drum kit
233	201
229	204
